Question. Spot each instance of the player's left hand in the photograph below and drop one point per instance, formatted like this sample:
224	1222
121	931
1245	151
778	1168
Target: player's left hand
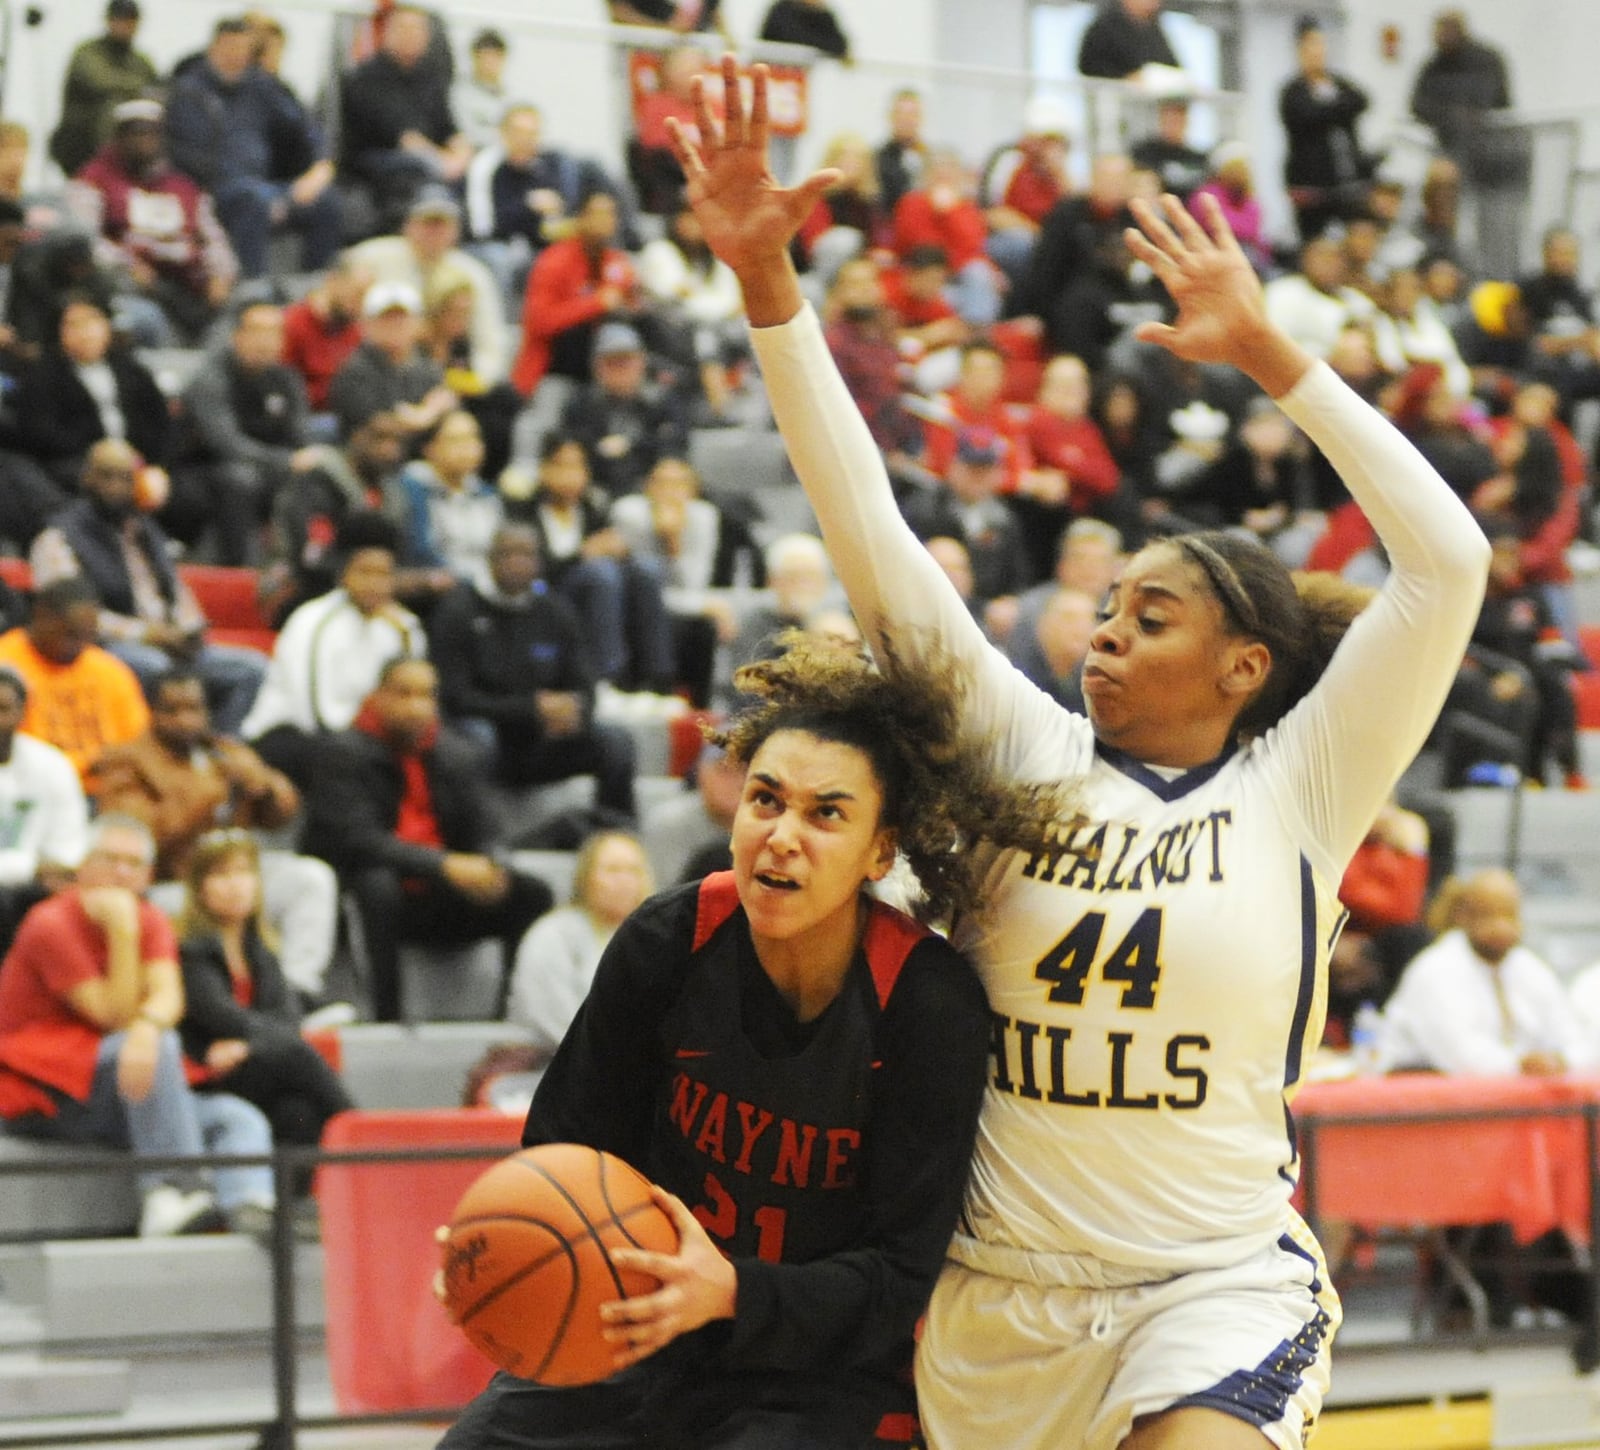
697	1285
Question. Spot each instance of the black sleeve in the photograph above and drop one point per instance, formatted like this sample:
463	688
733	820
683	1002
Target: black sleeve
344	821
861	1306
463	697
601	1087
149	418
210	1011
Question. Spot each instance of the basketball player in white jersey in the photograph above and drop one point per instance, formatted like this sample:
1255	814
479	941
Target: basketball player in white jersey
1128	1271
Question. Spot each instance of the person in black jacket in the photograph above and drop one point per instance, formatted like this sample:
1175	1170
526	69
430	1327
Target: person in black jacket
241	1018
1324	167
80	391
806	22
512	662
397	129
396	806
780	996
1122	39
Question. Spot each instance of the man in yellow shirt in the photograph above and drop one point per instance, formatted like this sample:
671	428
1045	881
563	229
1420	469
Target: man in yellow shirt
80	697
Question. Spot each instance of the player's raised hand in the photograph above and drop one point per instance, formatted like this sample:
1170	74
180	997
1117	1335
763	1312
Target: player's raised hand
1209	277
1222	314
748	218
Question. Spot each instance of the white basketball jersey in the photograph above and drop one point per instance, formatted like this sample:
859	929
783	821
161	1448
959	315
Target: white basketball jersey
1157	985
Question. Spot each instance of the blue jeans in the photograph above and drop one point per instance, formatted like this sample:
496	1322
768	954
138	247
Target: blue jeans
627	624
245	207
171	1120
230	673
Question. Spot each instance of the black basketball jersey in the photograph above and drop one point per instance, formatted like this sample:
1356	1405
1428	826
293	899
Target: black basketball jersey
765	1145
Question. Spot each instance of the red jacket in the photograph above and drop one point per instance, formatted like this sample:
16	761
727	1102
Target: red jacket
960	230
940	436
564	292
1077	447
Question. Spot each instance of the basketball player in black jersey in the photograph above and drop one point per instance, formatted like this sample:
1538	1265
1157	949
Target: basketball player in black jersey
798	1067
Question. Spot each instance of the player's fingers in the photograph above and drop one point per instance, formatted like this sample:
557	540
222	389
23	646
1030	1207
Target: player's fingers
1151	255
685	150
1193	234
758	106
1155	229
733	117
710	131
644	1261
1217	224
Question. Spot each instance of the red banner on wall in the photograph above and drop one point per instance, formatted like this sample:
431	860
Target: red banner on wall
786	91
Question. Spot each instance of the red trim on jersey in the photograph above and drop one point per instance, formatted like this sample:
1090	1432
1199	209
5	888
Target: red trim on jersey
719	899
890	936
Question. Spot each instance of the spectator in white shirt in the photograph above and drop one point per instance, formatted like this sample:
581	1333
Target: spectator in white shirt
44	818
1313	305
1477	1002
557	959
331	650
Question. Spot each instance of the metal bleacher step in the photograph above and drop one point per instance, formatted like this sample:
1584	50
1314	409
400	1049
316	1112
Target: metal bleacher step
109	1292
32	1385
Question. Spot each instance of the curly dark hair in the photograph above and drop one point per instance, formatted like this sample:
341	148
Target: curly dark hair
941	796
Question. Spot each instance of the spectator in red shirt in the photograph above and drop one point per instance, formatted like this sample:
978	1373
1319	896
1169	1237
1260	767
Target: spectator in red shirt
323	328
943	213
1384	889
574	286
652	167
974	403
1073	472
90	998
1022	182
930	332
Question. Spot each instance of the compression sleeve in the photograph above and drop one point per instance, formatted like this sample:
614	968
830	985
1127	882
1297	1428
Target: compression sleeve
901	598
1341	750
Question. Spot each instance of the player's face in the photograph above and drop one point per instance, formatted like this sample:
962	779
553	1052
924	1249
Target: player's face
806	836
1163	677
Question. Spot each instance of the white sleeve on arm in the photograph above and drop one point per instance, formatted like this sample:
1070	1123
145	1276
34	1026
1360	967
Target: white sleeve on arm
897	591
1344	747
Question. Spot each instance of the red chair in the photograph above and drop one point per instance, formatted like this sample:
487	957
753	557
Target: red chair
390	1344
227	598
17	574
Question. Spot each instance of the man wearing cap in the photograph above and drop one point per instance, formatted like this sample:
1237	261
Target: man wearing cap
623	418
397	130
154	221
575	285
967	507
425	256
102	73
231	127
389	373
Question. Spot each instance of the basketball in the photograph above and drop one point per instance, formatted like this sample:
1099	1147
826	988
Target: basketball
527	1261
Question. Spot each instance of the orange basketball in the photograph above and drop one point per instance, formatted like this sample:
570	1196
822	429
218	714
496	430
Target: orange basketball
527	1262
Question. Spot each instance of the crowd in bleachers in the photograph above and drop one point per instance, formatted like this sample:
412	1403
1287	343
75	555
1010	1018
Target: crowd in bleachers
439	387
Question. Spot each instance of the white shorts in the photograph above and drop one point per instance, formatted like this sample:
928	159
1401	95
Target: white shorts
1063	1366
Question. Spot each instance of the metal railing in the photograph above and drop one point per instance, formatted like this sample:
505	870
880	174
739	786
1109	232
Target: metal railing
280	1429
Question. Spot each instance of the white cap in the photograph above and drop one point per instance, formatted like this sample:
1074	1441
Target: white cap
391	297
